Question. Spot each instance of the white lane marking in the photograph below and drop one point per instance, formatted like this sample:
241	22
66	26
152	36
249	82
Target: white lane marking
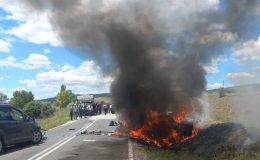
47	149
89	140
57	145
130	150
53	149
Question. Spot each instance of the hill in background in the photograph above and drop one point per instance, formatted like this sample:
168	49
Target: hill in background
106	97
96	96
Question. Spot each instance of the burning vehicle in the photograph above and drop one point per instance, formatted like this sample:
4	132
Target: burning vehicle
160	130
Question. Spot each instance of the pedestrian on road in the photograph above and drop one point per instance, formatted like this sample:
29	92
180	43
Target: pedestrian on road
105	107
80	111
99	108
71	112
95	109
75	112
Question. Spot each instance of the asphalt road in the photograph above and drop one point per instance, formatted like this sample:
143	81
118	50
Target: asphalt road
70	141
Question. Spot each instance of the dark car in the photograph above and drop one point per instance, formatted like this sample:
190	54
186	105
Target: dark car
17	127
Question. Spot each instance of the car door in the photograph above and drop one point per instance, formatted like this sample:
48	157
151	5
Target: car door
9	128
23	127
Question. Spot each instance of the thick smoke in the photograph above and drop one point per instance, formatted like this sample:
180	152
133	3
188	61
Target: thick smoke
156	49
246	105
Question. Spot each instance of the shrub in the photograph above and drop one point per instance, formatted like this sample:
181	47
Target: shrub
47	110
38	109
33	109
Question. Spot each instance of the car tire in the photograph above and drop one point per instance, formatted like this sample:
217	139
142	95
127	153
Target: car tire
1	145
37	136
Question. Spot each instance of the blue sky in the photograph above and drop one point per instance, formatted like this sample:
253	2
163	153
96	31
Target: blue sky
33	58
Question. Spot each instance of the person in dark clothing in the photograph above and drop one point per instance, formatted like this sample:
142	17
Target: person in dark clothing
99	108
105	107
80	111
95	108
71	113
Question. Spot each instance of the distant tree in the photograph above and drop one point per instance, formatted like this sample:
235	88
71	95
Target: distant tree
64	97
62	88
21	98
3	97
71	96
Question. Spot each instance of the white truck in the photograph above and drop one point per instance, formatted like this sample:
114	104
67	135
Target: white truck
87	102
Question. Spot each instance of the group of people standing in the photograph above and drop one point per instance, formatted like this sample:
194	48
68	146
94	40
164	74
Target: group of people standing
83	110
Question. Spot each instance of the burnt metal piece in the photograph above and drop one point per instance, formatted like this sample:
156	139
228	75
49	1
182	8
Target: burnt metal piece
113	123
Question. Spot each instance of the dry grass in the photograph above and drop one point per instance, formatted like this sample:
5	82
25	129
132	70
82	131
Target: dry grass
223	111
155	154
103	99
222	108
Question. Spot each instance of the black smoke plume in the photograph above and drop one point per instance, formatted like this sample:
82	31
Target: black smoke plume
156	49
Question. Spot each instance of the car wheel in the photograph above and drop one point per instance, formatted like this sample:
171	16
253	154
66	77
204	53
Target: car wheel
37	136
1	145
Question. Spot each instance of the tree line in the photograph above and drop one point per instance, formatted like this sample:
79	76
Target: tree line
24	100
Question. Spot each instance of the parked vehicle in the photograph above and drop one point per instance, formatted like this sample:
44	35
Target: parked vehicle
17	127
87	101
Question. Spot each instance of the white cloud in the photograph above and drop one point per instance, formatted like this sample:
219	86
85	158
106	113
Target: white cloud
32	27
35	27
33	61
239	75
5	46
86	78
46	51
211	69
66	68
214	86
219	59
249	50
36	61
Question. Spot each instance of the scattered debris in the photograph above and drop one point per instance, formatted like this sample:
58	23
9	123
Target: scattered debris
103	133
72	129
113	123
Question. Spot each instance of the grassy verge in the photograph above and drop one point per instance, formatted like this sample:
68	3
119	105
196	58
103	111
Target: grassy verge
60	117
156	154
224	117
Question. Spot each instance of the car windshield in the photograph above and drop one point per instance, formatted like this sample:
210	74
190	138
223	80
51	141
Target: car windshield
129	79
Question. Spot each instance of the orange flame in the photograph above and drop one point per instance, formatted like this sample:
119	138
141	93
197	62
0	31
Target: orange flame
180	115
160	130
